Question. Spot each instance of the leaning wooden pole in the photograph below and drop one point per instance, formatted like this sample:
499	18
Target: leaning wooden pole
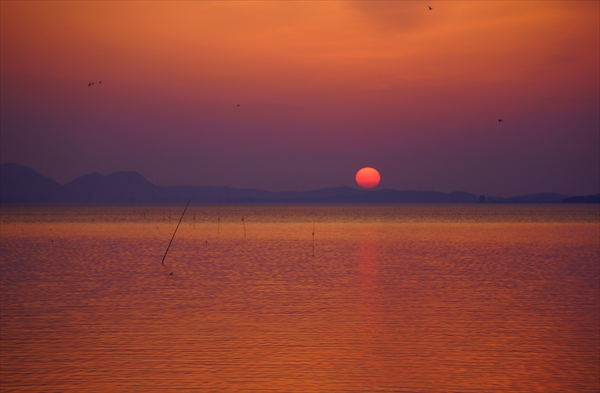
173	237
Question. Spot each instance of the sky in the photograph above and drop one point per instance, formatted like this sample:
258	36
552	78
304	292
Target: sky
300	95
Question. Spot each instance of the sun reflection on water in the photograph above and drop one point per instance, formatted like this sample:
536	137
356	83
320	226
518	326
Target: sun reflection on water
403	303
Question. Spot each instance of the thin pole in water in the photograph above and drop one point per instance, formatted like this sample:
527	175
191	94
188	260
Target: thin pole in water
218	224
244	222
173	237
313	236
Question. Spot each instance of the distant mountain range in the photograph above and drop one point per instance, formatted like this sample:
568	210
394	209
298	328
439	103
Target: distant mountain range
21	184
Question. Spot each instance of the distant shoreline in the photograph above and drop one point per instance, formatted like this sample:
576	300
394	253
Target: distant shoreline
22	185
286	203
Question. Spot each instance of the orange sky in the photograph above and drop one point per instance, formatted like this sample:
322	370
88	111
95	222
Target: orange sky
413	92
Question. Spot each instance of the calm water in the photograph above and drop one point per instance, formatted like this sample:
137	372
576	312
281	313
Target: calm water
386	298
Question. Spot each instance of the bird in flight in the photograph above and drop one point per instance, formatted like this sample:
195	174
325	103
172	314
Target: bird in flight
499	120
429	7
238	105
89	84
100	82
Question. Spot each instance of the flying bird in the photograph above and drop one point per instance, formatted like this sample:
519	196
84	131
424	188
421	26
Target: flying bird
89	84
499	120
429	7
100	82
238	105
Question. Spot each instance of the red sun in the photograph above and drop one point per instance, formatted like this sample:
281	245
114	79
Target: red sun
367	177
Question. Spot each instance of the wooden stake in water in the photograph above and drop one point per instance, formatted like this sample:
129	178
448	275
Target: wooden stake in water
313	235
218	224
194	221
244	222
173	237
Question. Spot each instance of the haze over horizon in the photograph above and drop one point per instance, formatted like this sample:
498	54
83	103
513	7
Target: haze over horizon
296	96
27	186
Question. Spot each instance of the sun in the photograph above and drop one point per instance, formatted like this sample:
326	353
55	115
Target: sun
368	177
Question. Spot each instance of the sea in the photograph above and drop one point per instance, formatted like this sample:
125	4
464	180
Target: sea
300	298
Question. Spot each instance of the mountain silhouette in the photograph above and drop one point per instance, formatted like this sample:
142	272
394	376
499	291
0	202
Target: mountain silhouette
543	197
595	198
21	184
118	187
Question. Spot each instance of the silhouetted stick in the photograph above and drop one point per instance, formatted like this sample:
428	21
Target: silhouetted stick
194	221
173	237
313	235
218	223
244	222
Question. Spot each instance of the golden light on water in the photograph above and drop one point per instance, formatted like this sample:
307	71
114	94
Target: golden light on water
413	298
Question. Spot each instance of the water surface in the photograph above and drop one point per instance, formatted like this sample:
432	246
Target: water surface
415	298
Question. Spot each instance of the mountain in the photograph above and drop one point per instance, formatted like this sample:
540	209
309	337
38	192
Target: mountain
583	199
20	184
544	197
118	187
